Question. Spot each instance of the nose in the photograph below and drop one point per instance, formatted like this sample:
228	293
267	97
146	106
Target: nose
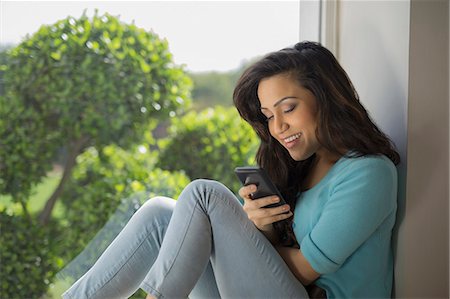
279	125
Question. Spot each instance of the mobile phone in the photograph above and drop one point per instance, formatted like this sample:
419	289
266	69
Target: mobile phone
249	175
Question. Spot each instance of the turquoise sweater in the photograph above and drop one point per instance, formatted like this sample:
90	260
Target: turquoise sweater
344	226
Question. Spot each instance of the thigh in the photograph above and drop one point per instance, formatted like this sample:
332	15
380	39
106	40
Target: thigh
245	263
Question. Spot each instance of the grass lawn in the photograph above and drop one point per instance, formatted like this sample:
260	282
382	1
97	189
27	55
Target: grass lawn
39	196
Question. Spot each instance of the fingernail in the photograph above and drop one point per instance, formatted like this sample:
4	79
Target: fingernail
275	199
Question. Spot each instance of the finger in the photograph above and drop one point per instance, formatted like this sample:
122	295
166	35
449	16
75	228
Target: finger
264	216
272	219
265	201
269	212
245	191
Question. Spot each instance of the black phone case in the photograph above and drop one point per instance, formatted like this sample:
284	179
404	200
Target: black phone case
255	175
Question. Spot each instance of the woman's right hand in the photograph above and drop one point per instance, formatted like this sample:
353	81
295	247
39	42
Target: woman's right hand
260	216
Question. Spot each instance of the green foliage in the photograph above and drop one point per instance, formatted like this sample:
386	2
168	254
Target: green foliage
212	88
38	197
209	144
3	59
215	88
102	180
78	83
27	263
89	87
26	149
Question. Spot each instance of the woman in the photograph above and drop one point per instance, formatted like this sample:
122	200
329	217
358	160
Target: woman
335	169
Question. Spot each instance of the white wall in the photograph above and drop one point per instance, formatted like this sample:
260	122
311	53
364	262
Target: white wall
373	47
309	20
396	54
422	260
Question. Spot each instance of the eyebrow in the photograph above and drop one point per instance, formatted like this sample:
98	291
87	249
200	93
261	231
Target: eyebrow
280	101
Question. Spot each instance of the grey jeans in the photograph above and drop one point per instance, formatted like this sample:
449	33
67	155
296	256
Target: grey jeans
201	246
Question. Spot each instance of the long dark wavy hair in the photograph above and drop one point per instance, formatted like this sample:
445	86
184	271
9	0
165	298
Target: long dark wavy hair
342	122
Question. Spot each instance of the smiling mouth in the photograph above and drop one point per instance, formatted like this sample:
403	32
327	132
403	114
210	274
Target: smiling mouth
292	138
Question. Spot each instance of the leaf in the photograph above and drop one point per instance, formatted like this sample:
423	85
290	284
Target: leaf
56	55
144	66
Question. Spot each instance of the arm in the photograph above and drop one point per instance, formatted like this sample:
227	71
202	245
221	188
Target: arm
298	264
271	235
263	218
358	205
361	199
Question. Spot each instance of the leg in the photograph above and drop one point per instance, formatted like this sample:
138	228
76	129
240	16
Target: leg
209	222
124	264
206	286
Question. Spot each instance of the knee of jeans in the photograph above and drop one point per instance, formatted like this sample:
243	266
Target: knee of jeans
203	188
157	209
204	185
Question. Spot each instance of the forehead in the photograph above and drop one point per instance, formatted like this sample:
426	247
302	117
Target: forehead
273	89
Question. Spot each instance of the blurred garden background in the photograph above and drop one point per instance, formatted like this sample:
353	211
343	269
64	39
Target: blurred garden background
96	116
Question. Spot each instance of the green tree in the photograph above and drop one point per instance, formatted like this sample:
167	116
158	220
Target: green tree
212	88
216	88
102	181
209	144
3	58
79	83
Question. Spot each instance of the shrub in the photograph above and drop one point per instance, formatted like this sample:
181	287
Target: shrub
209	144
79	83
27	262
102	181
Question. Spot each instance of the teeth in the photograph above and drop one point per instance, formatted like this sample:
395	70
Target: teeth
292	138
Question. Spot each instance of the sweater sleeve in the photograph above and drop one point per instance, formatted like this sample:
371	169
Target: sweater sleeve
361	198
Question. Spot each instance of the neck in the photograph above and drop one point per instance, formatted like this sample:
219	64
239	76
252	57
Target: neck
320	167
325	157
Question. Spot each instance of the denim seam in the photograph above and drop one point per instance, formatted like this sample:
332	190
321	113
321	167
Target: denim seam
102	285
67	295
152	289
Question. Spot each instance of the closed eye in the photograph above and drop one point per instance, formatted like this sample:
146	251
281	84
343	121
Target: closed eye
290	109
269	118
266	115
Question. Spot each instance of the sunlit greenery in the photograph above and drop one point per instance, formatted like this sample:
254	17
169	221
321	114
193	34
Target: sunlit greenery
79	83
211	143
79	102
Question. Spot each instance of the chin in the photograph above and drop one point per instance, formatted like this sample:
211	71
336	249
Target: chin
300	156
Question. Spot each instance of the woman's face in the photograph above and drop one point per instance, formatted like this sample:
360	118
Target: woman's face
291	113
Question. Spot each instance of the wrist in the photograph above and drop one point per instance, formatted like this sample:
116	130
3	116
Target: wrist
270	233
266	228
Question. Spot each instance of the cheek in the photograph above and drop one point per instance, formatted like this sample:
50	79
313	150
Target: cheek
308	121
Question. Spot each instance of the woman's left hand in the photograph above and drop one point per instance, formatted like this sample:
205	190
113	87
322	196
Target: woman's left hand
256	210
